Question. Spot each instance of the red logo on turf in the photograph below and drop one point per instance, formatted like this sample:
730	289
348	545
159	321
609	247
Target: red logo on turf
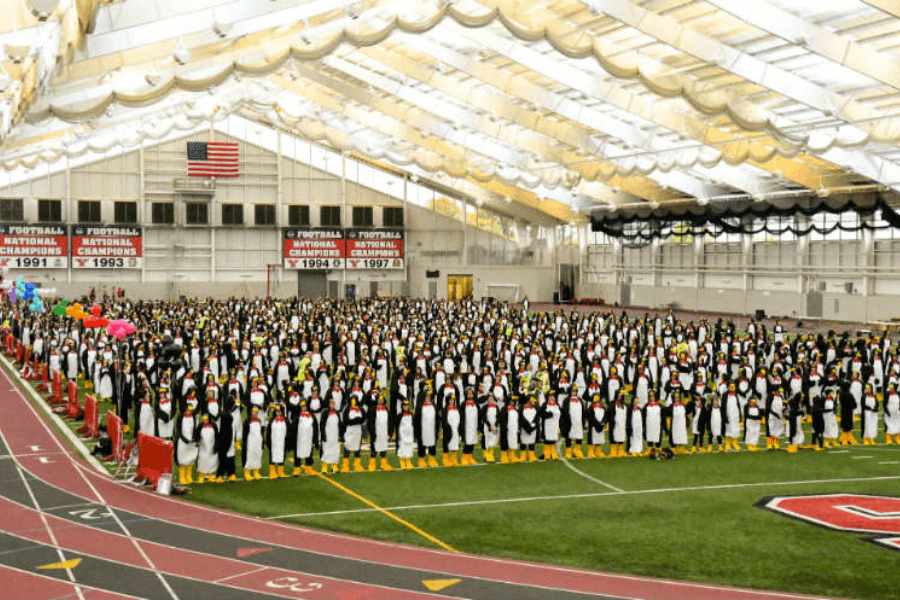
878	515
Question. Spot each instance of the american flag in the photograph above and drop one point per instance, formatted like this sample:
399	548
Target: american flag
212	159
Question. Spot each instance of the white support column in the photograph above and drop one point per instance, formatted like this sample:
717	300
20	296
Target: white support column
802	221
867	261
746	261
142	204
699	276
68	213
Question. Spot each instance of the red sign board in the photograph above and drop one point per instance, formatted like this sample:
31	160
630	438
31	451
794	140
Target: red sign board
374	249
33	247
313	249
107	248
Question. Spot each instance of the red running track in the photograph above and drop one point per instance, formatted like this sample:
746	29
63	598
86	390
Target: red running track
65	471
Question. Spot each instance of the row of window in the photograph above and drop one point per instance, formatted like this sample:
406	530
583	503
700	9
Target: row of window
197	213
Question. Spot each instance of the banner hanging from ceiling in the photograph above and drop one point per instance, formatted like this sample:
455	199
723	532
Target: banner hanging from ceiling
313	249
107	247
34	246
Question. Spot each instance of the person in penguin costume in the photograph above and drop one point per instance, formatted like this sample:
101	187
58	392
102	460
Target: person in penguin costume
451	438
571	422
330	434
818	422
509	432
634	426
528	429
596	423
426	423
352	422
716	423
145	420
774	419
848	406
549	418
732	411
165	420
252	446
678	413
276	441
698	412
869	419
406	438
618	427
654	425
306	438
892	415
225	441
753	414
795	423
207	450
379	425
470	423
490	428
186	446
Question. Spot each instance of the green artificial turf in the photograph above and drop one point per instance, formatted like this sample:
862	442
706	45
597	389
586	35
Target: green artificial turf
671	521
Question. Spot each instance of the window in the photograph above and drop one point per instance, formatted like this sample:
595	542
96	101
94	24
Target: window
196	213
298	215
362	216
50	211
232	214
11	210
163	212
392	216
330	216
126	212
88	211
265	214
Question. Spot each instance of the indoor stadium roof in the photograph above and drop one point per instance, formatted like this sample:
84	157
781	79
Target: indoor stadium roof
579	104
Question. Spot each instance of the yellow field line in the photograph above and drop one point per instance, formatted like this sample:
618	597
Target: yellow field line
388	513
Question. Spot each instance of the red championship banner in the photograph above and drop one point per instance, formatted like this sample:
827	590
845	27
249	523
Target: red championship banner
107	247
34	247
91	427
115	428
313	249
154	457
374	249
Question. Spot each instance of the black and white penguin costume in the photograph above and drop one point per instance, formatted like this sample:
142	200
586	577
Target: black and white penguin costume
635	427
869	419
186	446
753	414
276	441
618	427
596	422
550	415
451	437
425	421
226	445
490	424
571	422
207	450
678	428
406	438
330	434
892	416
145	419
470	424
654	424
509	433
379	425
306	438
165	422
253	438
774	420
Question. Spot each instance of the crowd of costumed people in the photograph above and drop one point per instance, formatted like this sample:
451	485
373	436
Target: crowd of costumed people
283	382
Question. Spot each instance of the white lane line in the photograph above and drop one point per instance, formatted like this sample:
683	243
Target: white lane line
562	457
859	457
135	542
37	506
241	574
590	495
889	462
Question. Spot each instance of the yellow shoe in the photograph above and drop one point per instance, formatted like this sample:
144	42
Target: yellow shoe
345	465
818	448
423	463
454	458
385	466
182	477
445	459
218	480
523	455
201	478
190	473
432	461
721	448
546	452
753	448
309	471
513	457
273	474
334	468
708	449
248	475
324	469
768	443
281	472
532	457
852	440
297	472
489	455
591	452
578	452
569	453
887	440
472	461
776	444
126	429
232	478
792	449
553	453
504	459
256	474
598	452
373	465
237	445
